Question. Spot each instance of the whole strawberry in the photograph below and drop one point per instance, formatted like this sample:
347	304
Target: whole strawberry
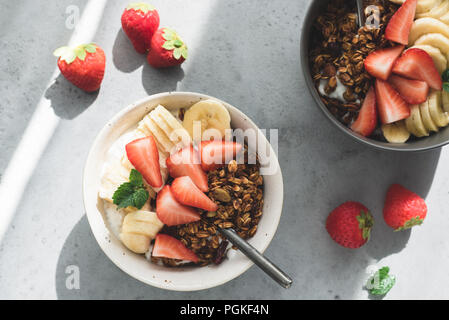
83	65
167	49
403	208
139	22
350	224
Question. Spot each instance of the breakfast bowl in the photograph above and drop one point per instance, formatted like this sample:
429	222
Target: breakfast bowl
181	278
434	140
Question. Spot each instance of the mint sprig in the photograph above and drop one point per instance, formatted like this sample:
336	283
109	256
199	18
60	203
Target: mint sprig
445	77
380	282
132	193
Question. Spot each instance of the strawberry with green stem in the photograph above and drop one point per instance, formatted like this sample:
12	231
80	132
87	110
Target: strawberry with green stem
139	22
83	65
167	49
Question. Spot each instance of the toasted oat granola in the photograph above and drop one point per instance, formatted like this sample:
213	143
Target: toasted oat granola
238	191
338	54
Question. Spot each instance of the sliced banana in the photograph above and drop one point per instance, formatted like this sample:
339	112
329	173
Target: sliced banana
166	130
436	40
445	100
138	229
427	25
441	63
426	118
439	117
210	114
415	124
444	18
423	5
395	132
436	11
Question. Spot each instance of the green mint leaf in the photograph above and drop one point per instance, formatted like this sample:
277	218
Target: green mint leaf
446	86
380	282
123	196
168	45
132	193
140	197
177	53
445	75
136	178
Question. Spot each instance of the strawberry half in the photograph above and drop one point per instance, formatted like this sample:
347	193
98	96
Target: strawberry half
144	156
168	247
167	49
412	91
139	22
83	65
418	65
403	208
216	153
398	29
379	63
171	212
367	119
187	193
186	162
350	224
390	105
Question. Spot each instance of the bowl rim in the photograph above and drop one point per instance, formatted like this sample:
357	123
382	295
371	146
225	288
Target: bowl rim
162	285
379	145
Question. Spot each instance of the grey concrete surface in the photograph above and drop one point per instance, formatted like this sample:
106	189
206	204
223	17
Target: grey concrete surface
246	53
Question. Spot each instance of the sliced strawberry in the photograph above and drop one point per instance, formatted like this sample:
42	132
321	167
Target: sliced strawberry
171	212
168	247
367	119
186	162
390	105
418	65
379	63
401	22
144	156
216	153
187	193
412	91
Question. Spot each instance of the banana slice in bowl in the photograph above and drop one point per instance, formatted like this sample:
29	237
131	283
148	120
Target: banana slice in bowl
423	5
425	26
426	118
439	117
204	115
441	62
395	132
436	40
436	12
415	124
445	100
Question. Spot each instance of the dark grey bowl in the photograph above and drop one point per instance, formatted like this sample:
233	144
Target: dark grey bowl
435	140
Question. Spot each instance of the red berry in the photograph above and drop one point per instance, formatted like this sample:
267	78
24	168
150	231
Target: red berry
412	91
390	105
83	66
144	156
216	153
171	212
367	119
403	208
168	247
186	192
167	49
139	22
379	63
398	29
350	224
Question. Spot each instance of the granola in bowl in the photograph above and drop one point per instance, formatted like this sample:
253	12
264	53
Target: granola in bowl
384	79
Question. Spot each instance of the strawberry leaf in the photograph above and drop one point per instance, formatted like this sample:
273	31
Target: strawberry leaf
177	53
80	53
184	52
142	6
169	34
90	47
416	221
168	45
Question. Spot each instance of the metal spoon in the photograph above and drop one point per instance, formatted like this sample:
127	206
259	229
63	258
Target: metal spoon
360	13
258	258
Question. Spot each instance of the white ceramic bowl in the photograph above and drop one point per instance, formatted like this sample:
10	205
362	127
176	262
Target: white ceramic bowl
185	278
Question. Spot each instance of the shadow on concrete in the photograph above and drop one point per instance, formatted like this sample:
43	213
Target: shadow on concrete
124	57
67	100
161	80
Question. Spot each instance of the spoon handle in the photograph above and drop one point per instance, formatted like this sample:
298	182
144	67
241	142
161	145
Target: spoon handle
360	13
259	259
